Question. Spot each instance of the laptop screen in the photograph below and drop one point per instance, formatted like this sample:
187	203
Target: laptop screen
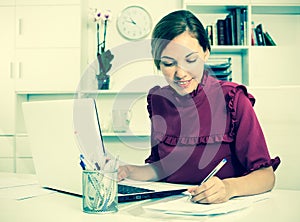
54	128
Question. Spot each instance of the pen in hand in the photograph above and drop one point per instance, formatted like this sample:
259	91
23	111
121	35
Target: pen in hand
210	175
214	171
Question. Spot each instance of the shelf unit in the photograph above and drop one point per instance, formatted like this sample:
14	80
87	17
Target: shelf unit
259	11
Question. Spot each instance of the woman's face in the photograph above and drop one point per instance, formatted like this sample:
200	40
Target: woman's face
182	63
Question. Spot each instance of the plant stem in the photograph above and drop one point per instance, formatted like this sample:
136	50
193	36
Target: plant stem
98	39
104	36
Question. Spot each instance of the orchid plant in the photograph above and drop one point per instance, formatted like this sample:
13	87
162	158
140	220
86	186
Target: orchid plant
104	57
101	18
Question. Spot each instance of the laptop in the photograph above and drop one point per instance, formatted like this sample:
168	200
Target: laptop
55	147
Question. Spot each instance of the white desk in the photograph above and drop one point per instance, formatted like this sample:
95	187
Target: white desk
283	205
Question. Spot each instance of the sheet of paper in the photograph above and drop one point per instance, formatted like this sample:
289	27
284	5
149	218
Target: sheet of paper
23	192
184	206
14	180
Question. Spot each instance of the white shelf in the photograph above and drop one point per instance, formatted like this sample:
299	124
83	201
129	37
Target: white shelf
276	9
45	92
104	134
99	92
229	48
138	134
212	8
107	92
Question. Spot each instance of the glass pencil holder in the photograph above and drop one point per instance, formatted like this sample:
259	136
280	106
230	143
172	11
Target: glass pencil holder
99	191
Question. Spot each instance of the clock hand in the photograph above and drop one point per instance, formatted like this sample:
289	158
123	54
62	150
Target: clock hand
131	21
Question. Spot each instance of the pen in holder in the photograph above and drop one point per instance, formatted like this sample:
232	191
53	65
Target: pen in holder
99	191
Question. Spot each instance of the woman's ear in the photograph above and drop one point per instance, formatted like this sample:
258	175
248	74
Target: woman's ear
206	55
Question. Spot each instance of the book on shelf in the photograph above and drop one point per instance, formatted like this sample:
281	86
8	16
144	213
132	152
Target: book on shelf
260	35
209	32
237	23
253	34
215	34
230	30
243	26
269	40
221	31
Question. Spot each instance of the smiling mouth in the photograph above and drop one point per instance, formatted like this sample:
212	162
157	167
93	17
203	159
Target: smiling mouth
183	83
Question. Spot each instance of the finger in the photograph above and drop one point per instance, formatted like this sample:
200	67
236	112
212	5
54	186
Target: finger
191	190
203	187
203	191
213	198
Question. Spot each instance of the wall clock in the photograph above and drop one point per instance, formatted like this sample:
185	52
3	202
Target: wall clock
134	23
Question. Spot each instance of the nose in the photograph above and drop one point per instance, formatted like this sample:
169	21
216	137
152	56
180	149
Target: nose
180	73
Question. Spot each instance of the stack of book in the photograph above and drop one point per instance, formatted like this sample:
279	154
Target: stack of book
219	68
231	30
259	37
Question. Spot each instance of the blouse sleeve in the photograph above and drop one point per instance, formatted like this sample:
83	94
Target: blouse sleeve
250	145
154	156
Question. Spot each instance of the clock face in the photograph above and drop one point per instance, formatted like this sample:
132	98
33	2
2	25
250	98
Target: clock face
134	23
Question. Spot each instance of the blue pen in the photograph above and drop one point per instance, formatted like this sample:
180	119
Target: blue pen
82	164
214	171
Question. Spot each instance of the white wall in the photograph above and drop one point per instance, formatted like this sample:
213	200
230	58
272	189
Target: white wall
157	10
278	110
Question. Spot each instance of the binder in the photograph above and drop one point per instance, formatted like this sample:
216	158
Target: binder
221	31
268	39
260	35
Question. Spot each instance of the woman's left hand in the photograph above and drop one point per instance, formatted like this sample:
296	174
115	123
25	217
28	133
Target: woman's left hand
212	191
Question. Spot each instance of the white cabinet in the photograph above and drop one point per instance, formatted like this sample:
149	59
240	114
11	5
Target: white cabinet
6	153
7	95
48	40
49	69
24	163
6	70
41	50
48	26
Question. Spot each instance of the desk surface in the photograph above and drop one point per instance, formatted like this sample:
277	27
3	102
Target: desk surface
283	205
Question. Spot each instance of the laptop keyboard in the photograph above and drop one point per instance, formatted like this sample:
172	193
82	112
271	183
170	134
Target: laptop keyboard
126	189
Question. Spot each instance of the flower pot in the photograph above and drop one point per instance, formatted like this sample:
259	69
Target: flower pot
103	83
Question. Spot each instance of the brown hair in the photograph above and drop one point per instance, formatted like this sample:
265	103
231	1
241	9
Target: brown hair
172	25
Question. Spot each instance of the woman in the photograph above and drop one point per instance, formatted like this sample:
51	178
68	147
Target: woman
197	120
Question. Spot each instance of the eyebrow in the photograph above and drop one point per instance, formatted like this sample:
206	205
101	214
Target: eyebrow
168	57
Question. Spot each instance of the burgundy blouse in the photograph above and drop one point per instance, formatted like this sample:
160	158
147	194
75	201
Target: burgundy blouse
191	134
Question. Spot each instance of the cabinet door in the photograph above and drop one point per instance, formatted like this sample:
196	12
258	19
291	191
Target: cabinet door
6	154
6	146
48	26
47	69
7	96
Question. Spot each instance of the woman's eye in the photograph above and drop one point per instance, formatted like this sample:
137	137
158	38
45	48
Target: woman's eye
191	60
168	64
